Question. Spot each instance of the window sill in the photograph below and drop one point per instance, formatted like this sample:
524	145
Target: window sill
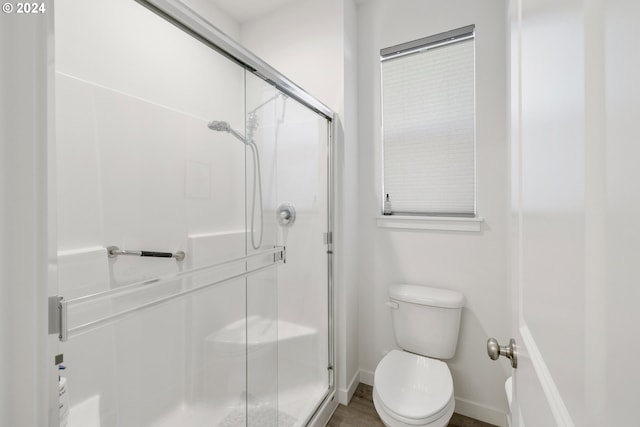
430	223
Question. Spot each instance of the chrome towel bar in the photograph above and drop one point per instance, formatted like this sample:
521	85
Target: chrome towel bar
114	251
76	316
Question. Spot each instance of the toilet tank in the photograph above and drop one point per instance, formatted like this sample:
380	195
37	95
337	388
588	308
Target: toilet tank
426	320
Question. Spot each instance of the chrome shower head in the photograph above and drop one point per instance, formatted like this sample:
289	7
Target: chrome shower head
219	126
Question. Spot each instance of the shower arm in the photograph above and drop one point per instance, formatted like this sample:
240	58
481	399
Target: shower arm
252	122
237	135
276	96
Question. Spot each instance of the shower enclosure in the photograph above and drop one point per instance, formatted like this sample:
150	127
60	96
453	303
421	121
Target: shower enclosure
192	201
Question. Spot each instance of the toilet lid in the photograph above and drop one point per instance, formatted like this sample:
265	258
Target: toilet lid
413	387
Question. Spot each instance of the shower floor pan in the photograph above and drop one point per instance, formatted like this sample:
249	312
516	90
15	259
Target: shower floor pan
286	377
261	414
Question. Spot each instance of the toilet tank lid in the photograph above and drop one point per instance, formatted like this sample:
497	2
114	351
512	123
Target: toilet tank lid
426	295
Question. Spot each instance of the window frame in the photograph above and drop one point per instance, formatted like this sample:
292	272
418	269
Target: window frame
409	48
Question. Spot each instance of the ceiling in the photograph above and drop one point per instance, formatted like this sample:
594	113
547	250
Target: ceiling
246	10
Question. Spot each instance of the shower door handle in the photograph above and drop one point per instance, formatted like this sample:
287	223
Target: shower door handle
114	251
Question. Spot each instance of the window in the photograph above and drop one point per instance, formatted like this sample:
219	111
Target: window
428	122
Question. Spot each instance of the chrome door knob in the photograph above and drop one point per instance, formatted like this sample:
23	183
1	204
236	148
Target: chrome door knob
495	350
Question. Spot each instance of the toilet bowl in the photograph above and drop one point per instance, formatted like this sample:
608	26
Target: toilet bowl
412	387
413	390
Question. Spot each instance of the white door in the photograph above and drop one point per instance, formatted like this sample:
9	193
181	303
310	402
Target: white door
575	140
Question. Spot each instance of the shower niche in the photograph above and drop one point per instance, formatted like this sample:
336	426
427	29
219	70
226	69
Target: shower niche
164	145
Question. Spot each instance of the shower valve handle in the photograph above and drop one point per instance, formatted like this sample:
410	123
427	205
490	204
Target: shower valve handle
286	214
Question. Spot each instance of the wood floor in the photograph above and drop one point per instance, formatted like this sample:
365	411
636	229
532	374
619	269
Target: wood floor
361	413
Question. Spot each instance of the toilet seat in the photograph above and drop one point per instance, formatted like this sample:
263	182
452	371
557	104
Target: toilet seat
413	389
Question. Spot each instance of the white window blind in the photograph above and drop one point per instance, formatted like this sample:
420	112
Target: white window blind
428	112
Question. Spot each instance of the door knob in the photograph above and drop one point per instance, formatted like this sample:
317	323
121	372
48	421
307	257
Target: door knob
495	350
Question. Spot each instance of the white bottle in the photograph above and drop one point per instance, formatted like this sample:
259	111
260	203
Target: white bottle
387	206
63	398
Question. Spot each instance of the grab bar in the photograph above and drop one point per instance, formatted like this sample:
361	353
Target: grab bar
66	332
114	251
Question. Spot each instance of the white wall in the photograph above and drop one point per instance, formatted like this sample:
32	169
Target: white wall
348	165
622	240
474	263
313	43
209	11
303	41
25	386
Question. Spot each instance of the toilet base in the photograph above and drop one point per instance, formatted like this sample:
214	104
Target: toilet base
389	421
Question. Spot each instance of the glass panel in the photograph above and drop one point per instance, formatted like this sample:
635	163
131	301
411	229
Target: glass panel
262	310
287	354
301	181
138	167
155	153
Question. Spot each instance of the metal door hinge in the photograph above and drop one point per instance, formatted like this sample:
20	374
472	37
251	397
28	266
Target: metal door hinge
58	317
281	256
54	314
328	238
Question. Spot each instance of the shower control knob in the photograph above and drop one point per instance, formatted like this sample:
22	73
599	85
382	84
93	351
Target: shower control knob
495	350
286	214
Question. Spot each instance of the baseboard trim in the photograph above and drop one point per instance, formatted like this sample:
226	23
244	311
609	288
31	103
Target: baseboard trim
481	412
345	395
366	377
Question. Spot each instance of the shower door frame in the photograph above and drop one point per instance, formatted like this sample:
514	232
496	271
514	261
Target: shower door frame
189	21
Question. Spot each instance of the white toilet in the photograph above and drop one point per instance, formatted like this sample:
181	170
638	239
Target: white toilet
412	387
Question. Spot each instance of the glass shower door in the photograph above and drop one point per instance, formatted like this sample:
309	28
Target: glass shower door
156	156
261	302
139	167
303	282
288	309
